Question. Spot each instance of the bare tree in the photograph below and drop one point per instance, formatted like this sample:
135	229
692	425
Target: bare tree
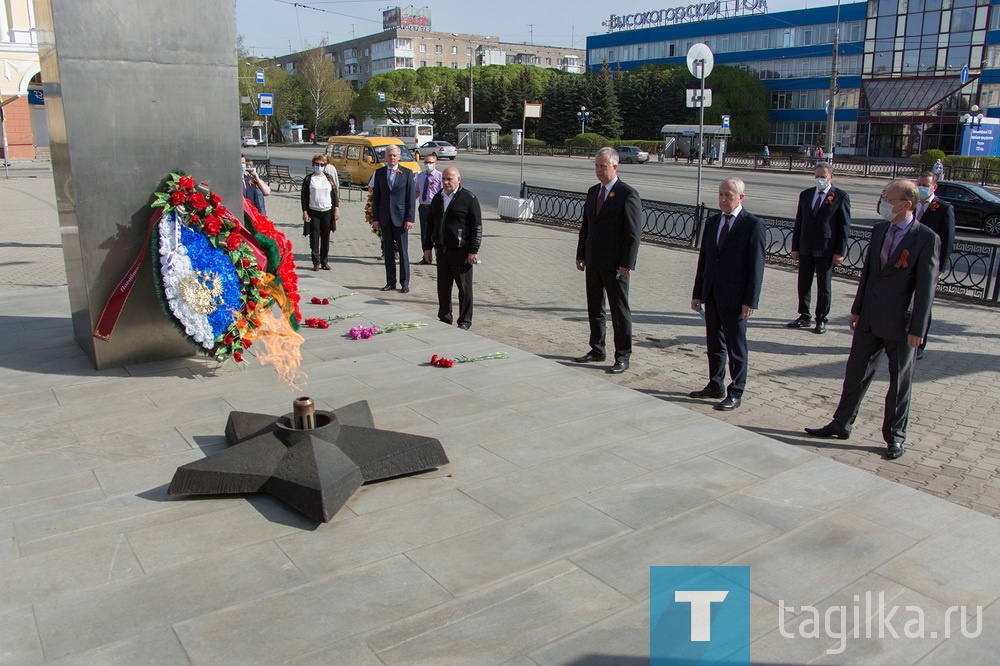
327	96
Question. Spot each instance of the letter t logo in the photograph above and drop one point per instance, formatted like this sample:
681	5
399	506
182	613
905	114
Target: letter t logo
701	610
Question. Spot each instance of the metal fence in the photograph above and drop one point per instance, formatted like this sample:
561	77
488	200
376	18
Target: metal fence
972	269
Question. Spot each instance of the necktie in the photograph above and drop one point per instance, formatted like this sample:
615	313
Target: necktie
392	177
600	198
818	204
921	209
890	238
427	187
724	231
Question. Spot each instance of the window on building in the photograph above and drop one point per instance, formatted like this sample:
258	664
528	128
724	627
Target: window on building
439	64
454	50
423	63
468	51
454	65
438	49
422	48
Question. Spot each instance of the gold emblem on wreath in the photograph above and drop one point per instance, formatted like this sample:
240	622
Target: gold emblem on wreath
201	291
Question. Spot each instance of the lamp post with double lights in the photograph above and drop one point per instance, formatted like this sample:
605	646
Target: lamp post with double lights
583	116
831	120
972	120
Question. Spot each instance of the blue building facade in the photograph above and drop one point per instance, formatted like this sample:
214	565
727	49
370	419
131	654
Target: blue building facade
899	68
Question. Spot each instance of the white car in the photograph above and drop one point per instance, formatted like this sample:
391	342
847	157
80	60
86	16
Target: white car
439	149
249	142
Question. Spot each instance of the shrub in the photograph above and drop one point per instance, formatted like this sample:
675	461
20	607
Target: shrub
928	157
588	140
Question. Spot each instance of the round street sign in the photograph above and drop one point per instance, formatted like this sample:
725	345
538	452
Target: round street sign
700	60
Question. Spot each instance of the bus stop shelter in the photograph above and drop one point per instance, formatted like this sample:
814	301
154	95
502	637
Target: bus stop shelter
478	135
685	137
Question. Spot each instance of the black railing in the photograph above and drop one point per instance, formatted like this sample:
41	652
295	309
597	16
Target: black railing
972	269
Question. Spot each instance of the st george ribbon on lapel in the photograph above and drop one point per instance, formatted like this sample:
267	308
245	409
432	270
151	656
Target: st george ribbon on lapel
600	198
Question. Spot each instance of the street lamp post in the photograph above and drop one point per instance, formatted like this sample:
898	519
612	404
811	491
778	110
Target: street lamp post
831	121
583	116
972	120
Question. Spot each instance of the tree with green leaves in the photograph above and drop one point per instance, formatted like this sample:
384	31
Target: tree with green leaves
602	102
405	92
561	101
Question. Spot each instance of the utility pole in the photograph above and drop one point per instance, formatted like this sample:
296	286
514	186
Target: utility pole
831	118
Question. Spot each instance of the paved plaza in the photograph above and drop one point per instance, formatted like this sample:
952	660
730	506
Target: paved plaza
565	484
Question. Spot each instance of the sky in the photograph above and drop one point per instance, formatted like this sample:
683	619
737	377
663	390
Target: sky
278	27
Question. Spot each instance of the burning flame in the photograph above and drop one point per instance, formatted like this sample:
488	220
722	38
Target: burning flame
280	343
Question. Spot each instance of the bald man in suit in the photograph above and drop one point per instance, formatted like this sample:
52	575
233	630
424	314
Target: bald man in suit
889	315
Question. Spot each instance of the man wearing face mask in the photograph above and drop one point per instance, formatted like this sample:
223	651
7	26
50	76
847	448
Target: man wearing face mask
889	314
940	217
428	184
819	242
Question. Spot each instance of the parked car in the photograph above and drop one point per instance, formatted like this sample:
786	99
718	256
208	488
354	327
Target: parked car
632	155
249	142
439	149
975	207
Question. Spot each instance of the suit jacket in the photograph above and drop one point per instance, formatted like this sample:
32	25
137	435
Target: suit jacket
459	227
824	234
895	301
940	218
393	205
610	239
735	275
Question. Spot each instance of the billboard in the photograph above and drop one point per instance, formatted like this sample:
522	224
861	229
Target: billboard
407	18
982	138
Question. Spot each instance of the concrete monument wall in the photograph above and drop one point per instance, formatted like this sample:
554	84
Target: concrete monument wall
133	90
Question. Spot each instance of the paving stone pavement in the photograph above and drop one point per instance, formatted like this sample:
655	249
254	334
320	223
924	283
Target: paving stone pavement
530	296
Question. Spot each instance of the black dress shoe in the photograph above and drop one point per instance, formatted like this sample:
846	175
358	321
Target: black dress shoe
405	290
920	353
326	267
820	327
708	392
465	327
589	357
315	267
894	451
831	429
801	322
728	405
423	262
388	287
618	368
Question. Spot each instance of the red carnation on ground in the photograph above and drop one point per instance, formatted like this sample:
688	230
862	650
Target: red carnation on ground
246	343
315	300
238	357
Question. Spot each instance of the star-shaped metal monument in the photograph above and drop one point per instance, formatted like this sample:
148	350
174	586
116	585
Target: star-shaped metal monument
313	469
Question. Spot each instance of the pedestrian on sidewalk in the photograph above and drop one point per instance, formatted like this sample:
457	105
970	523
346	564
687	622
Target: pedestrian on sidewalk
727	285
889	315
320	212
428	184
393	201
606	251
254	188
455	233
819	242
767	156
939	215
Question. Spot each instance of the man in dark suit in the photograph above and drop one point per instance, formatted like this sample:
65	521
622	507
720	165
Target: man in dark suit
819	242
607	251
727	284
889	314
940	217
392	214
455	230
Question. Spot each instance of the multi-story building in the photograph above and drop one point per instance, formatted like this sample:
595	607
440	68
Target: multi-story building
908	70
407	42
20	82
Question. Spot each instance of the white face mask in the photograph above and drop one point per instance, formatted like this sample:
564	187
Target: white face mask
821	183
428	167
885	210
923	192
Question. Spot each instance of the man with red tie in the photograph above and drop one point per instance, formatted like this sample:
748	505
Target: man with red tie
727	284
392	214
607	250
819	242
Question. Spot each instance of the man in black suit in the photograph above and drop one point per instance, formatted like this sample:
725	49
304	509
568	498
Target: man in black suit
455	230
940	217
727	284
392	214
819	242
607	251
889	314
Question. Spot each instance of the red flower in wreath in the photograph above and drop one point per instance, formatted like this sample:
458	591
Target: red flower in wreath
197	201
233	242
185	182
213	225
177	198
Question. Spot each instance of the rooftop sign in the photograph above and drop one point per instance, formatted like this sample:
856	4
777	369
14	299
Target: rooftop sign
695	12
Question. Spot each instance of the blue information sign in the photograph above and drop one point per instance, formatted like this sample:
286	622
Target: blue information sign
266	106
381	98
965	74
260	76
725	122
